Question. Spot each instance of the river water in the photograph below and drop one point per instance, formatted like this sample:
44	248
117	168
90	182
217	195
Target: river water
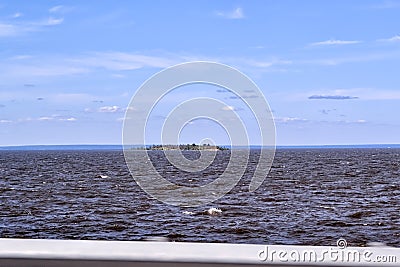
310	197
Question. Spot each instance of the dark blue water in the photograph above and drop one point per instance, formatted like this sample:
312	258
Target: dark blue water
310	197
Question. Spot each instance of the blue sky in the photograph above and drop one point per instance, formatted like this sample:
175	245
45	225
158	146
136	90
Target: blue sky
329	69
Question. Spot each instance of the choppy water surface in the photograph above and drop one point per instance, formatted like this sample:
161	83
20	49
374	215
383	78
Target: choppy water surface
310	197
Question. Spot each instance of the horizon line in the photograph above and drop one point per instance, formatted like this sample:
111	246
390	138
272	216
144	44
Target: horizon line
120	146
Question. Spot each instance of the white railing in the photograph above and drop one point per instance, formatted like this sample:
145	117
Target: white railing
31	252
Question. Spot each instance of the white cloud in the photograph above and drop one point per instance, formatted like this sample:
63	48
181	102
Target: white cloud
5	121
395	38
118	61
334	42
25	119
267	64
36	69
351	59
63	65
332	97
20	57
237	13
110	109
119	76
354	122
46	118
43	23
68	119
8	30
131	109
54	117
53	21
60	9
229	108
363	93
289	119
257	47
55	9
17	15
296	120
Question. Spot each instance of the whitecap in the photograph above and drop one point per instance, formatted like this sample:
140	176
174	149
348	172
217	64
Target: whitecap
188	212
214	211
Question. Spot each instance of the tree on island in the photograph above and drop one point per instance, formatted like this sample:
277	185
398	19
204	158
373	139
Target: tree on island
186	147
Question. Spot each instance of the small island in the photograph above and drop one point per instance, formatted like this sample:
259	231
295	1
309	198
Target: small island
206	147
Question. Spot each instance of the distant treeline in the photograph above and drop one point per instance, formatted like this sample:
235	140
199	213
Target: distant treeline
186	147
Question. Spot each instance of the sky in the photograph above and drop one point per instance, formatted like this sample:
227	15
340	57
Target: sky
328	69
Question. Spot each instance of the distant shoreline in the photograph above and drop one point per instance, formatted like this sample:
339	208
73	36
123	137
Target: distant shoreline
186	147
120	147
